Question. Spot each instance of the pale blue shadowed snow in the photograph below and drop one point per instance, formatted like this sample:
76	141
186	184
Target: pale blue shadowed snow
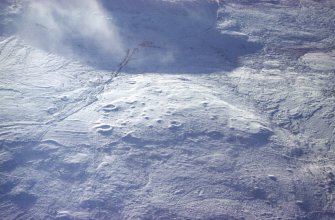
167	36
75	29
248	133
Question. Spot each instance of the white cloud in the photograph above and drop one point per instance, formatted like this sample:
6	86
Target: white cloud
60	26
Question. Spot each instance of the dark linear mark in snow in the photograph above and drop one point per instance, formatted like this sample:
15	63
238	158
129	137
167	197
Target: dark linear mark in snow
10	90
129	54
205	157
92	96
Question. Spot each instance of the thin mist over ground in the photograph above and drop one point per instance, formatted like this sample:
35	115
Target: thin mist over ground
252	138
162	36
70	27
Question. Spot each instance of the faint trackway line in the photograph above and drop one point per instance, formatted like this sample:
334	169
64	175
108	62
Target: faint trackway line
99	89
92	97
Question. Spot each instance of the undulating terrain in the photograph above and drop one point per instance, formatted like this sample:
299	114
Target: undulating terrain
167	109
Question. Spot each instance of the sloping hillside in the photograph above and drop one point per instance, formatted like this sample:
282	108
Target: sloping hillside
156	109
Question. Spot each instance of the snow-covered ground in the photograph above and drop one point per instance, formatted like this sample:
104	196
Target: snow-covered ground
167	109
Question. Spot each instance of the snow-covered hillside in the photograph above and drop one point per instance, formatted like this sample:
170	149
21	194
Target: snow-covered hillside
167	109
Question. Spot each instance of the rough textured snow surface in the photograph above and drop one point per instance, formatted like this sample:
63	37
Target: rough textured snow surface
167	109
